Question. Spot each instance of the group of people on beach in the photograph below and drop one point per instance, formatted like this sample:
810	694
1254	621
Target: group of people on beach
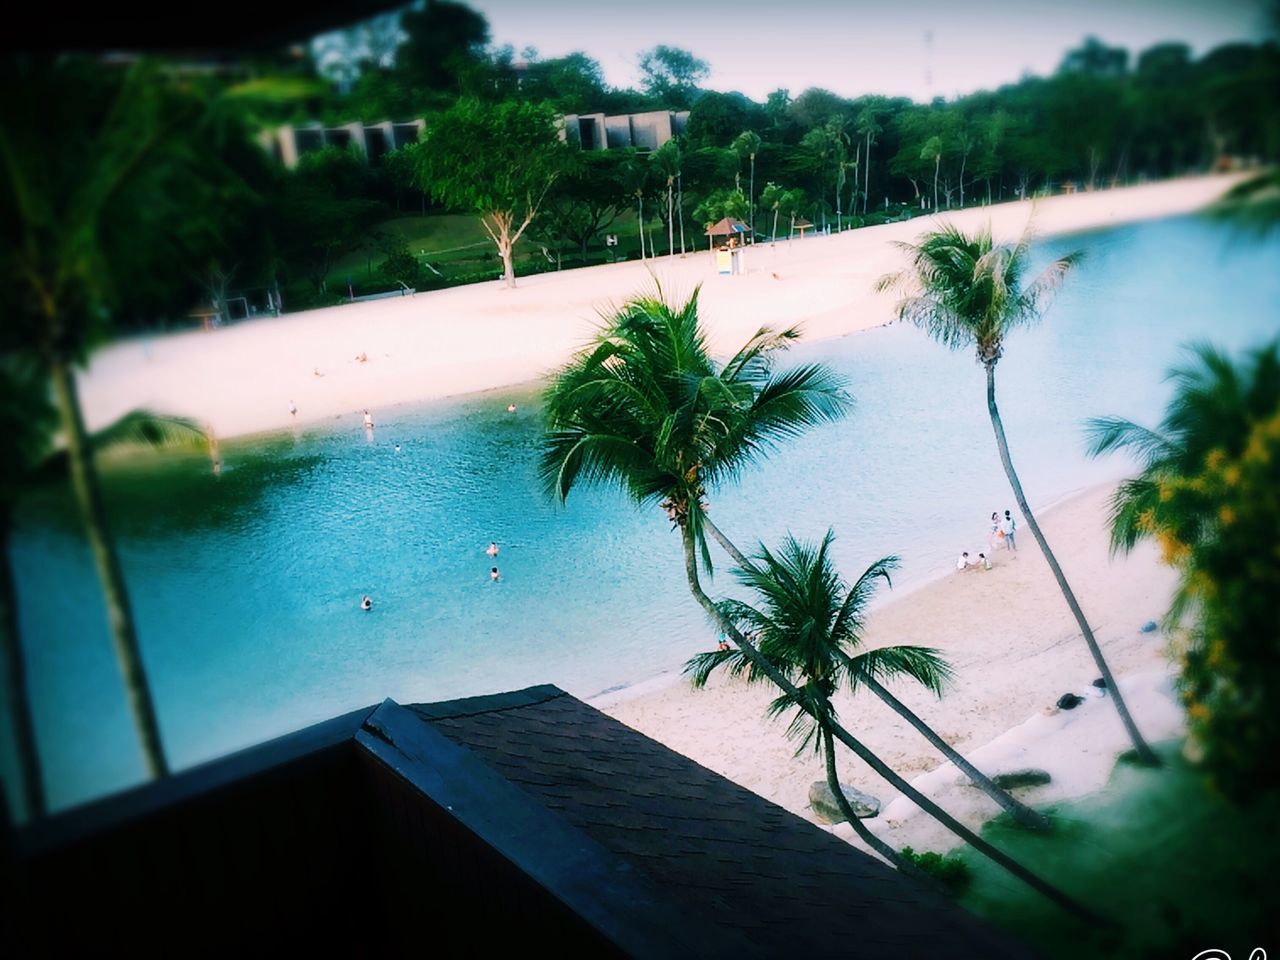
1003	534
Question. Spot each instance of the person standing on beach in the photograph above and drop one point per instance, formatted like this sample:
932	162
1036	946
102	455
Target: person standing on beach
368	421
993	537
1008	527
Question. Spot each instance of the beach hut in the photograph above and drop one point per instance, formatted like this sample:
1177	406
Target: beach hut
802	225
728	228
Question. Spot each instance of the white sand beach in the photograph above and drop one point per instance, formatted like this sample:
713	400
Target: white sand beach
243	378
1015	649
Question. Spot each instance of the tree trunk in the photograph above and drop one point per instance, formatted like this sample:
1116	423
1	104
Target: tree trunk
867	179
640	223
84	482
508	268
753	198
671	226
680	207
860	828
1021	813
879	766
1145	753
773	237
16	675
937	165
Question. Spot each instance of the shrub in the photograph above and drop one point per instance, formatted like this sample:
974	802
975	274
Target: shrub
950	871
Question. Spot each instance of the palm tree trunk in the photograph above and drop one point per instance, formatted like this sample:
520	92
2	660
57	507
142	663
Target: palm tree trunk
680	207
773	237
671	226
860	828
640	223
84	482
1145	753
1037	883
16	677
753	198
867	180
1021	813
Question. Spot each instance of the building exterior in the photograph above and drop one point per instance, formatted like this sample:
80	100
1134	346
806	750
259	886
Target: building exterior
643	131
288	143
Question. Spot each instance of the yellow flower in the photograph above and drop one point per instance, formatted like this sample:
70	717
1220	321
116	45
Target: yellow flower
1232	475
1198	711
1227	515
1215	458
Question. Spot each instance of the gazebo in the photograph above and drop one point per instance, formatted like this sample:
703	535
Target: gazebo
728	227
802	225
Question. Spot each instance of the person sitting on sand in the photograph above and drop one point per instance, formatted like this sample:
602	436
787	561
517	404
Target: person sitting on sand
983	562
963	562
723	645
493	575
366	603
492	549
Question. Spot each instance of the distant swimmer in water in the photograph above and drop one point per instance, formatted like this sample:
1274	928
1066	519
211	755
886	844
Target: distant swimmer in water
493	574
511	408
366	603
293	408
492	550
397	448
368	421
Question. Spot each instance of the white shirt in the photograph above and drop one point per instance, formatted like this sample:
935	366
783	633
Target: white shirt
962	561
1007	526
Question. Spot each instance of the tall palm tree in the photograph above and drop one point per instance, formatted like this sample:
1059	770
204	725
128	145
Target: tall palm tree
124	199
771	199
747	144
809	625
667	158
968	292
646	408
635	180
27	423
868	124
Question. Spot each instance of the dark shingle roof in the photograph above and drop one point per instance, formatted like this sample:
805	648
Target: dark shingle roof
745	863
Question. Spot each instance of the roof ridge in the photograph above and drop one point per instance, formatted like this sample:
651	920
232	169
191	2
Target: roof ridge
488	703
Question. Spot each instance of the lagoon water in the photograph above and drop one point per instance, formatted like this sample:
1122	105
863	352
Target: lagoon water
246	586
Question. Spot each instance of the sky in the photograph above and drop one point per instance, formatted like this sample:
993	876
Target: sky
915	48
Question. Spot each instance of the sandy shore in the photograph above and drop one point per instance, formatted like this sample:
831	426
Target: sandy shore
243	379
1015	649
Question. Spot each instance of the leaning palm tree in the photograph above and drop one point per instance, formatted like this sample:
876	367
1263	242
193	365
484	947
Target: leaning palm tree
129	195
26	430
808	626
646	408
968	292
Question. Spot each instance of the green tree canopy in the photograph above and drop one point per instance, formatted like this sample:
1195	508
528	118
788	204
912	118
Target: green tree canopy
671	75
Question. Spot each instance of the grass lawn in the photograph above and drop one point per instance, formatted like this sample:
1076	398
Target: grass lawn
1174	865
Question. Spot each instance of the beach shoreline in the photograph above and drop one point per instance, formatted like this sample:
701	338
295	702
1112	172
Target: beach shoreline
248	378
1015	649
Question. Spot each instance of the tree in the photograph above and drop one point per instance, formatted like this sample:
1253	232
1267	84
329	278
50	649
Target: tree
868	126
747	144
932	150
444	41
808	625
28	459
587	199
719	205
497	160
967	292
671	75
771	199
667	159
647	409
790	204
1208	491
123	207
573	83
635	181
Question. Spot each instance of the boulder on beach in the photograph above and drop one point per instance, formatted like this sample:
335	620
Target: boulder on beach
823	802
1069	701
1028	777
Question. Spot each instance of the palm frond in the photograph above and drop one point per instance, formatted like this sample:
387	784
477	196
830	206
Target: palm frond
925	665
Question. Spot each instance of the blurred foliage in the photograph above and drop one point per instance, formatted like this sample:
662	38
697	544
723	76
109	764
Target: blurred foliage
951	871
1209	495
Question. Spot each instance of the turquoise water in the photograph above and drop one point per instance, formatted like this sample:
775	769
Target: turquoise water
246	585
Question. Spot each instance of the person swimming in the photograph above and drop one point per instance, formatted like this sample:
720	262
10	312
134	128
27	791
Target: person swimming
493	575
366	603
511	408
368	421
397	448
492	549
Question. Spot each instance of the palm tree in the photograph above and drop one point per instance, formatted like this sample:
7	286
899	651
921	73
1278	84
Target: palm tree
808	625
932	150
27	423
747	144
1023	814
771	199
635	178
968	292
122	201
667	158
646	408
868	125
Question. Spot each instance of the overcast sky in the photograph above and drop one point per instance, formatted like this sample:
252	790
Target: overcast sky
915	48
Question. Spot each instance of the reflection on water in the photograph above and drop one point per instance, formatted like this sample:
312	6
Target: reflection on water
247	586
